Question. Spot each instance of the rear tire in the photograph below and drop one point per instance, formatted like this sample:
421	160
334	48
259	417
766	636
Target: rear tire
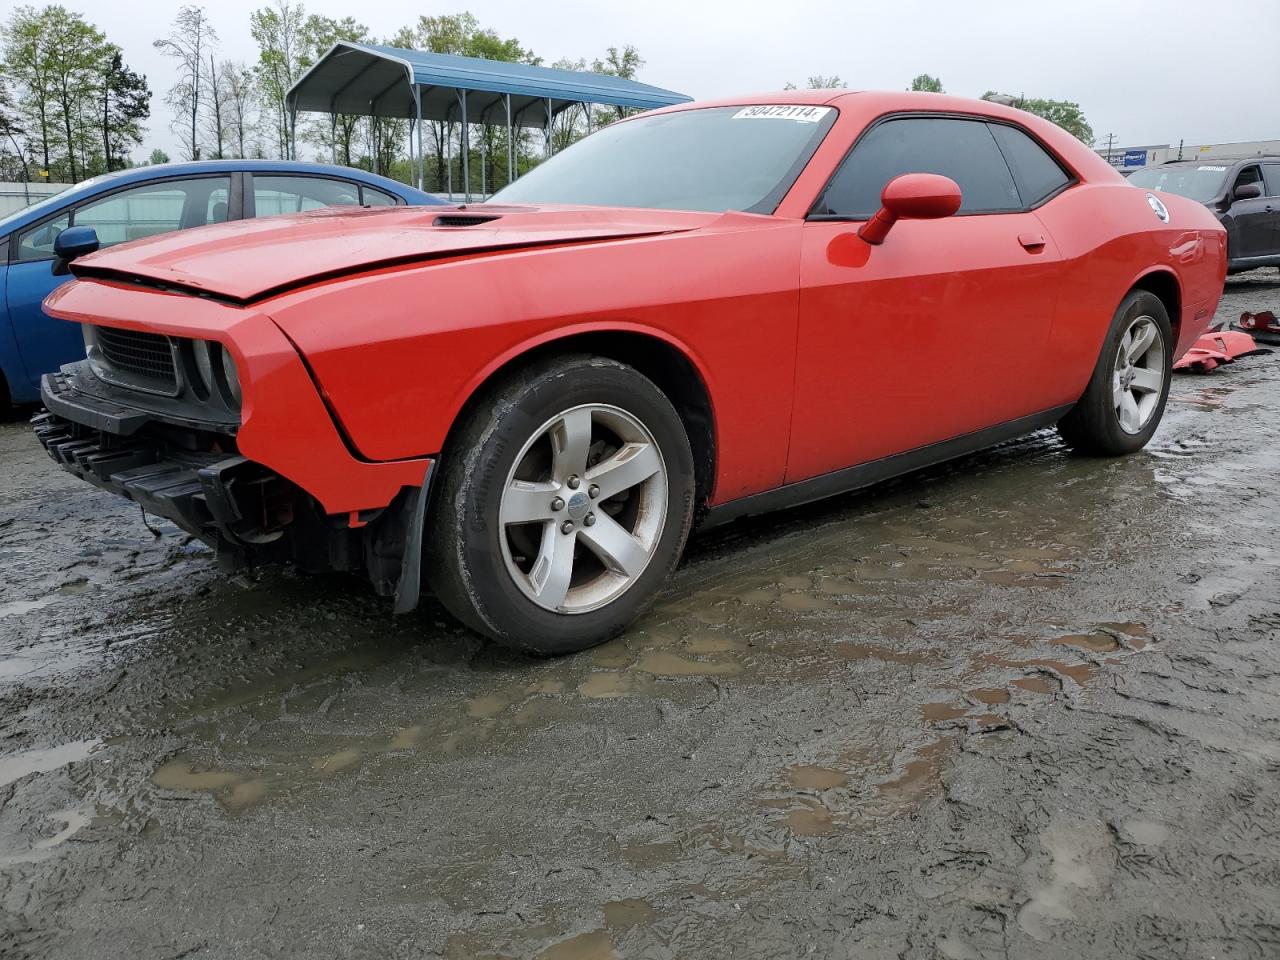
563	504
1125	399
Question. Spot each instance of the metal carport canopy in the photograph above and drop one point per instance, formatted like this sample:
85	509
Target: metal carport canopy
367	80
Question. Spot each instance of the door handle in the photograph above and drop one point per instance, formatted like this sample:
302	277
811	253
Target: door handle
1032	241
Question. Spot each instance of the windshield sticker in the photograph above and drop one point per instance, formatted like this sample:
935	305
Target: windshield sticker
774	111
1214	169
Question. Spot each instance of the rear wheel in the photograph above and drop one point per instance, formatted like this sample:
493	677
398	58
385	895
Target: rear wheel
1125	400
564	504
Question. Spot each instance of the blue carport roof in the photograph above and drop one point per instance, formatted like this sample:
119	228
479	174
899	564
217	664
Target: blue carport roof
368	80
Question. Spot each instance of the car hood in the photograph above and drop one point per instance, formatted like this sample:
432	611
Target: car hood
249	260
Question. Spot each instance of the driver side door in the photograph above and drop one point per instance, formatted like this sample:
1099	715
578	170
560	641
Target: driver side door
942	330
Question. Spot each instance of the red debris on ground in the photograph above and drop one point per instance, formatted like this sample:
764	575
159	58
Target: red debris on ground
1216	348
1263	325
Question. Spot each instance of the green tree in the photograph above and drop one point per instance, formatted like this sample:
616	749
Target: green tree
192	39
158	156
820	82
27	64
319	34
927	84
278	32
126	103
1064	113
461	34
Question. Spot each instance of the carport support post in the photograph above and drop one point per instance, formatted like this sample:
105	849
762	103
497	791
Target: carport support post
417	131
333	135
448	153
547	128
466	149
511	144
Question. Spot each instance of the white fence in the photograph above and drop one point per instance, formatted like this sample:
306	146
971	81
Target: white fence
14	196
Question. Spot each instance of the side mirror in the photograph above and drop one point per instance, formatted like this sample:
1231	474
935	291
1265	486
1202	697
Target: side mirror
912	196
1247	191
71	243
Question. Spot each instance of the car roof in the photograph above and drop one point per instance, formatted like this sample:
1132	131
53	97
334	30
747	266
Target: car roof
162	171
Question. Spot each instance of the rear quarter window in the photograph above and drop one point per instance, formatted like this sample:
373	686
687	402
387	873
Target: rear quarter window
1035	171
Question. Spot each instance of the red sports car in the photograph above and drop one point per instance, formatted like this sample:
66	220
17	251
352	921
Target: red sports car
694	314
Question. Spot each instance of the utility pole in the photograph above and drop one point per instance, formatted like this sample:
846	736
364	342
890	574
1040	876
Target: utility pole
1110	139
1180	142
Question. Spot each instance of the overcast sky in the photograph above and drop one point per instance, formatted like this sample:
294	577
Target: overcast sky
1147	71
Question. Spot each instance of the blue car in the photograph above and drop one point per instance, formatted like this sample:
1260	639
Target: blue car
140	203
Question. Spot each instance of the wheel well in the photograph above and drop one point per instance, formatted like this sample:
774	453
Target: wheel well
672	372
1165	286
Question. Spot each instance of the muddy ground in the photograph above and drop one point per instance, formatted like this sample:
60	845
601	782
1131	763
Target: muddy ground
1024	706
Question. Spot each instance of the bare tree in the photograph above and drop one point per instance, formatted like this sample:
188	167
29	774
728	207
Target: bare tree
192	38
215	107
239	97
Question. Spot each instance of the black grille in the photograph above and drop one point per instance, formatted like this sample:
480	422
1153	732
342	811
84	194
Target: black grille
145	355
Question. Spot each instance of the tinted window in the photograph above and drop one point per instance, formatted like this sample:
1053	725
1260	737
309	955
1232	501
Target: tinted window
275	195
1271	173
1249	174
376	198
36	243
1036	173
963	150
155	208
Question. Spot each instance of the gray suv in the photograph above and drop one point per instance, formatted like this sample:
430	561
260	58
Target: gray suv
1244	193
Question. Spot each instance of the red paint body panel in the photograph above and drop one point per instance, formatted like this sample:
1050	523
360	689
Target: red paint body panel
971	319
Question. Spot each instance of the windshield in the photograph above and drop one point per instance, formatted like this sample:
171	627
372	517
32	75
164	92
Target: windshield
1203	182
712	159
50	201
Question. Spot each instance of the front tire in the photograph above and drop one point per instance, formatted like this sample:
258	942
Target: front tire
1125	400
564	503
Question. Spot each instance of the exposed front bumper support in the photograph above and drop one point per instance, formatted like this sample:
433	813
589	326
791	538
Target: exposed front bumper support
247	512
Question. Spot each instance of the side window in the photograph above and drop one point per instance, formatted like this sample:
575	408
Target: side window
1250	174
155	208
963	150
1035	171
376	198
274	195
1271	174
37	242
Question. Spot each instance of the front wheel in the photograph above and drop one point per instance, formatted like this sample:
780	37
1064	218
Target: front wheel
564	504
1126	396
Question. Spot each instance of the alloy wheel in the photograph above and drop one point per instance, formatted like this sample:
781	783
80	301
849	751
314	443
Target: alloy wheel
1137	381
583	508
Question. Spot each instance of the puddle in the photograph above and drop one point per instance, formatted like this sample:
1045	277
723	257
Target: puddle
1096	642
595	945
664	664
811	820
235	791
937	712
337	762
625	914
816	778
921	775
73	821
1037	685
17	608
990	695
16	766
604	684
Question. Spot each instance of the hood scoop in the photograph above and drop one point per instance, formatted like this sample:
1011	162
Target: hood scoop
464	219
